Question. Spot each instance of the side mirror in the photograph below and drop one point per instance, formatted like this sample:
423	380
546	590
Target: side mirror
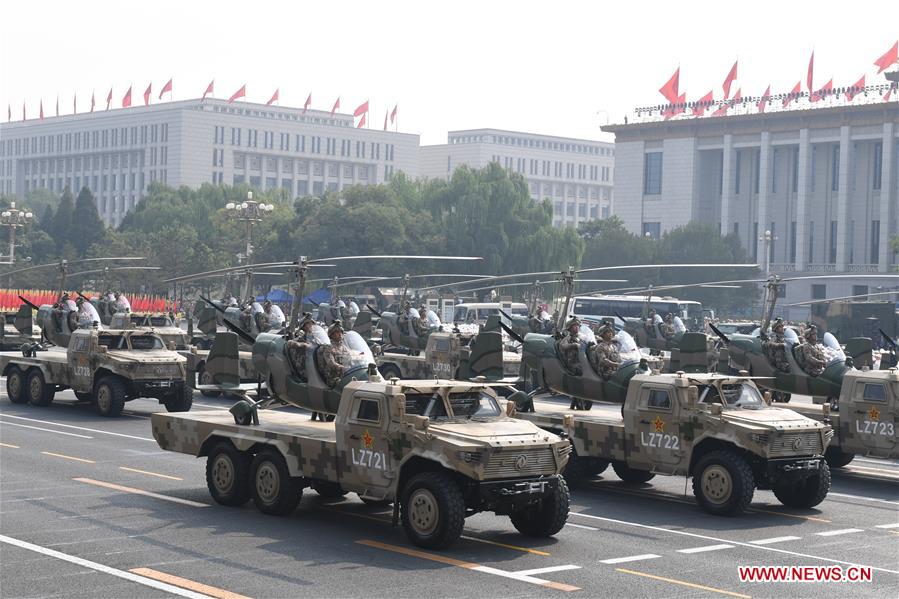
170	345
399	408
692	396
716	409
767	397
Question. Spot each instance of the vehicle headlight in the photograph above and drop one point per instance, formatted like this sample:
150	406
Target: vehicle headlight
469	456
760	438
564	450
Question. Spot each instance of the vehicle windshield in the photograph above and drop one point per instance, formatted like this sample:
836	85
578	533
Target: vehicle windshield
627	348
736	395
519	311
586	334
146	342
467	404
359	353
159	321
790	336
318	335
112	341
832	350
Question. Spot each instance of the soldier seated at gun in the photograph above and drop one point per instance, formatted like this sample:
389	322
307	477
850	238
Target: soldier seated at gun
775	347
810	354
298	348
570	345
87	314
604	356
330	359
667	327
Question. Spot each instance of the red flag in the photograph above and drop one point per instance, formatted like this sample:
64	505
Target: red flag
93	100
166	88
824	91
730	79
891	57
336	106
208	89
361	109
702	104
361	121
274	98
147	93
126	101
241	93
385	120
308	102
811	70
109	99
856	88
764	99
42	110
793	94
669	90
393	114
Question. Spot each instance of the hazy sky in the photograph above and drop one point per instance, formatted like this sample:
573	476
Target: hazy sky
548	67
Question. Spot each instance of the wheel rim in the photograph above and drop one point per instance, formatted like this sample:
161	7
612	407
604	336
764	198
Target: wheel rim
14	382
35	388
223	473
423	512
717	485
268	482
104	398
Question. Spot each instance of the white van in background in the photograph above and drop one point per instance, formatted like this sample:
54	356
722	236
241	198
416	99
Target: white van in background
477	313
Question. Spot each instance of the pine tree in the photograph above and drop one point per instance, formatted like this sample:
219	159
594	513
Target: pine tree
87	228
62	220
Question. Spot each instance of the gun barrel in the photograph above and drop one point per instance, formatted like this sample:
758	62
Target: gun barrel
29	304
213	304
719	333
240	332
375	312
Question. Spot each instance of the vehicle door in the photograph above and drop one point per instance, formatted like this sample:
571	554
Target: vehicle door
871	411
79	360
363	440
652	425
440	356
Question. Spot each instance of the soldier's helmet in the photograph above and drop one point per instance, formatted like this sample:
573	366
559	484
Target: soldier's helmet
335	328
811	331
307	319
79	301
669	317
778	323
574	321
604	328
267	305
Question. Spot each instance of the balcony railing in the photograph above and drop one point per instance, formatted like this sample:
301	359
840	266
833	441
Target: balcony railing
821	267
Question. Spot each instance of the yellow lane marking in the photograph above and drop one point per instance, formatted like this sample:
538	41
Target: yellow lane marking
68	457
150	473
124	489
515	547
184	583
9	445
812	518
682	583
468	565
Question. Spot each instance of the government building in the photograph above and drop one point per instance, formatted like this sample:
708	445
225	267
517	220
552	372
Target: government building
576	175
118	153
822	182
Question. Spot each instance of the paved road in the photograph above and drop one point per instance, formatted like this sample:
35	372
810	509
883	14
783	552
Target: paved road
90	507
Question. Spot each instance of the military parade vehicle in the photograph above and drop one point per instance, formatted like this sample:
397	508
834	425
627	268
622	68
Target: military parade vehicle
17	329
717	429
172	335
439	449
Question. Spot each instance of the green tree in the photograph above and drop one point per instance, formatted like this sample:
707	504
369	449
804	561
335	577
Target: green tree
62	219
87	227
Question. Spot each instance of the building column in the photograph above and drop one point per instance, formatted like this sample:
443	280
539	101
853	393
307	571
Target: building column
843	236
886	198
764	187
802	197
727	184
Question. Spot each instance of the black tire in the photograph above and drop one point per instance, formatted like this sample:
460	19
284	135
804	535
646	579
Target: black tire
723	483
632	476
806	493
274	491
38	392
432	510
389	371
204	378
835	457
109	396
228	474
327	489
580	469
180	401
84	396
16	383
547	517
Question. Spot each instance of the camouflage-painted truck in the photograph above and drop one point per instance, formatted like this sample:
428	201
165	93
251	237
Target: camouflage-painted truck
439	450
864	418
717	429
107	367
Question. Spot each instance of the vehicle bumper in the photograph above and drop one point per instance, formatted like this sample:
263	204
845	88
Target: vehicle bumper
506	496
157	389
792	469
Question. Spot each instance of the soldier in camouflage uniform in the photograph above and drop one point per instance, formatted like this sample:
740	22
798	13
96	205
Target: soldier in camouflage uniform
667	327
775	347
405	319
809	354
604	357
649	324
330	358
570	346
297	348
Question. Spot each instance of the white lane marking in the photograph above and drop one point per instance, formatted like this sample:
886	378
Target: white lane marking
206	405
547	570
737	543
881	462
842	531
705	548
581	526
48	430
124	489
82	428
863	498
867	470
894	525
774	540
630	558
512	575
168	588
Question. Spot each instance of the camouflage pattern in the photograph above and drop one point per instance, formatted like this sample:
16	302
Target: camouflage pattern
330	362
866	416
775	348
397	333
296	353
604	358
569	346
486	448
767	432
161	324
696	352
810	358
21	330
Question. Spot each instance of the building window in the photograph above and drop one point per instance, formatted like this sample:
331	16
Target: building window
811	241
793	242
833	242
652	230
738	167
875	242
795	184
753	241
819	291
652	173
860	291
756	174
835	169
878	165
774	172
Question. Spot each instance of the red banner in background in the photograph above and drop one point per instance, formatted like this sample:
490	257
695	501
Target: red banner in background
10	302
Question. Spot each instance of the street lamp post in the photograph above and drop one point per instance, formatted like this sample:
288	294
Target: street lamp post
249	212
13	219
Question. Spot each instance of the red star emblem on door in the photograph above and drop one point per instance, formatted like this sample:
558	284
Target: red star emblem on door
367	440
874	414
659	424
